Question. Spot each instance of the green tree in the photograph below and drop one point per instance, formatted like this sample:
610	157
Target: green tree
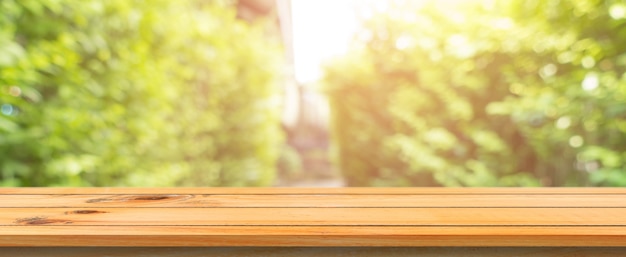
577	96
135	93
516	93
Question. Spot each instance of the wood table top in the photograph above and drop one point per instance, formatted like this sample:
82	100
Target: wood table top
313	217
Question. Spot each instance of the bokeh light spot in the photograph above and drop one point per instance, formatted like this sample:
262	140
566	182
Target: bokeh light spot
588	62
7	109
563	122
617	11
548	71
590	82
15	91
576	141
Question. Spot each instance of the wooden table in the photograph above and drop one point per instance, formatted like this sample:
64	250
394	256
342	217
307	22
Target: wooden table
296	217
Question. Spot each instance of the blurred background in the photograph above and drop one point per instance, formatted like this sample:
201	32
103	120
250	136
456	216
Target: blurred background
312	93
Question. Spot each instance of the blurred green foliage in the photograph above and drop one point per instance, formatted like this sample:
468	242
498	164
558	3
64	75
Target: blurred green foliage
135	93
484	93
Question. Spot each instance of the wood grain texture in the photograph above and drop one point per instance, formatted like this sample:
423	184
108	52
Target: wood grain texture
310	252
297	191
313	217
309	200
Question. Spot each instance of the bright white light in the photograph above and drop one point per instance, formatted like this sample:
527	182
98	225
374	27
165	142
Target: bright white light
461	46
617	11
404	42
324	29
321	30
590	82
503	23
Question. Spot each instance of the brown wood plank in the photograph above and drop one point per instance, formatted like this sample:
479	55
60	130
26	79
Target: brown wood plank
321	201
332	191
316	216
310	236
312	217
312	251
181	230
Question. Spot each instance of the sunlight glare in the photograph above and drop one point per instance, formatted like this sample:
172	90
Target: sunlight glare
322	29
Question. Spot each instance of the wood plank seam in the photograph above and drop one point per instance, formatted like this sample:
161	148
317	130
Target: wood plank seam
313	217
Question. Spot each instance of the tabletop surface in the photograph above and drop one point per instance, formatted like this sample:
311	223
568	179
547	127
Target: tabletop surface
312	217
